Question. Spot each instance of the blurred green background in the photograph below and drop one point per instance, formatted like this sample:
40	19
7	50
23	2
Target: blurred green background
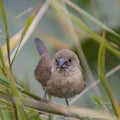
106	11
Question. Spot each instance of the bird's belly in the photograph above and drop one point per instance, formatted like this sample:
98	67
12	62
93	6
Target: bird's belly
65	87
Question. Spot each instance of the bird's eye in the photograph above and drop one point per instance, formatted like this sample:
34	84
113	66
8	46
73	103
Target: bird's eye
56	60
70	60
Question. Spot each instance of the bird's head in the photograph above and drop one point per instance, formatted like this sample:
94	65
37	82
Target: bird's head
66	59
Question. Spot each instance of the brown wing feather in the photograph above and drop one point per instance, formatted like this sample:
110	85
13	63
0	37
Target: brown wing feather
43	70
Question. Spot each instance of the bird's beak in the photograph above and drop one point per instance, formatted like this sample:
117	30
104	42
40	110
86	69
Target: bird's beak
61	62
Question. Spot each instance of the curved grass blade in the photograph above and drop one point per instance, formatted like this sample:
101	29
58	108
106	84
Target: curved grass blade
62	110
103	80
6	30
23	34
4	81
18	104
98	101
3	66
95	36
81	11
88	31
40	13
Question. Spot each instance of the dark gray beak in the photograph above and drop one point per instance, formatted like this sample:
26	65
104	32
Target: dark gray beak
61	62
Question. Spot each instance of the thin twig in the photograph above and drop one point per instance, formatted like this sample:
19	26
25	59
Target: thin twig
115	69
35	22
56	109
76	42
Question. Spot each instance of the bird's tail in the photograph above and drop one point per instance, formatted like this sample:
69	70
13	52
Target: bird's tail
40	46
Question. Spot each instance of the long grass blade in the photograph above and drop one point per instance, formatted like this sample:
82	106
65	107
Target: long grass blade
4	82
95	36
103	80
63	110
23	34
3	66
18	104
88	31
109	74
31	27
6	30
82	12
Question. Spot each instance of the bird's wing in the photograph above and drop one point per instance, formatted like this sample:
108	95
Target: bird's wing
43	70
40	46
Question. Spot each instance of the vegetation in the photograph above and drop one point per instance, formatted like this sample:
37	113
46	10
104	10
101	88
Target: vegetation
61	24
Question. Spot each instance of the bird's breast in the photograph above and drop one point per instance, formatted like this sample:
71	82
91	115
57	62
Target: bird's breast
65	85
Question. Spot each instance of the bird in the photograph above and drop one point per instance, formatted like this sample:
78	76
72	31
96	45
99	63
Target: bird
60	76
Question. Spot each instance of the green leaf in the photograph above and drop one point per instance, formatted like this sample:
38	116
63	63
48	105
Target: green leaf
88	16
6	30
3	66
103	80
18	104
87	30
4	81
98	101
95	36
28	23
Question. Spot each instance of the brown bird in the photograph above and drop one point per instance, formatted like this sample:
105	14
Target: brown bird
60	76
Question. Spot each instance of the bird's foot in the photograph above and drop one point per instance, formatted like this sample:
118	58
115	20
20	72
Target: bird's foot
66	100
44	99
